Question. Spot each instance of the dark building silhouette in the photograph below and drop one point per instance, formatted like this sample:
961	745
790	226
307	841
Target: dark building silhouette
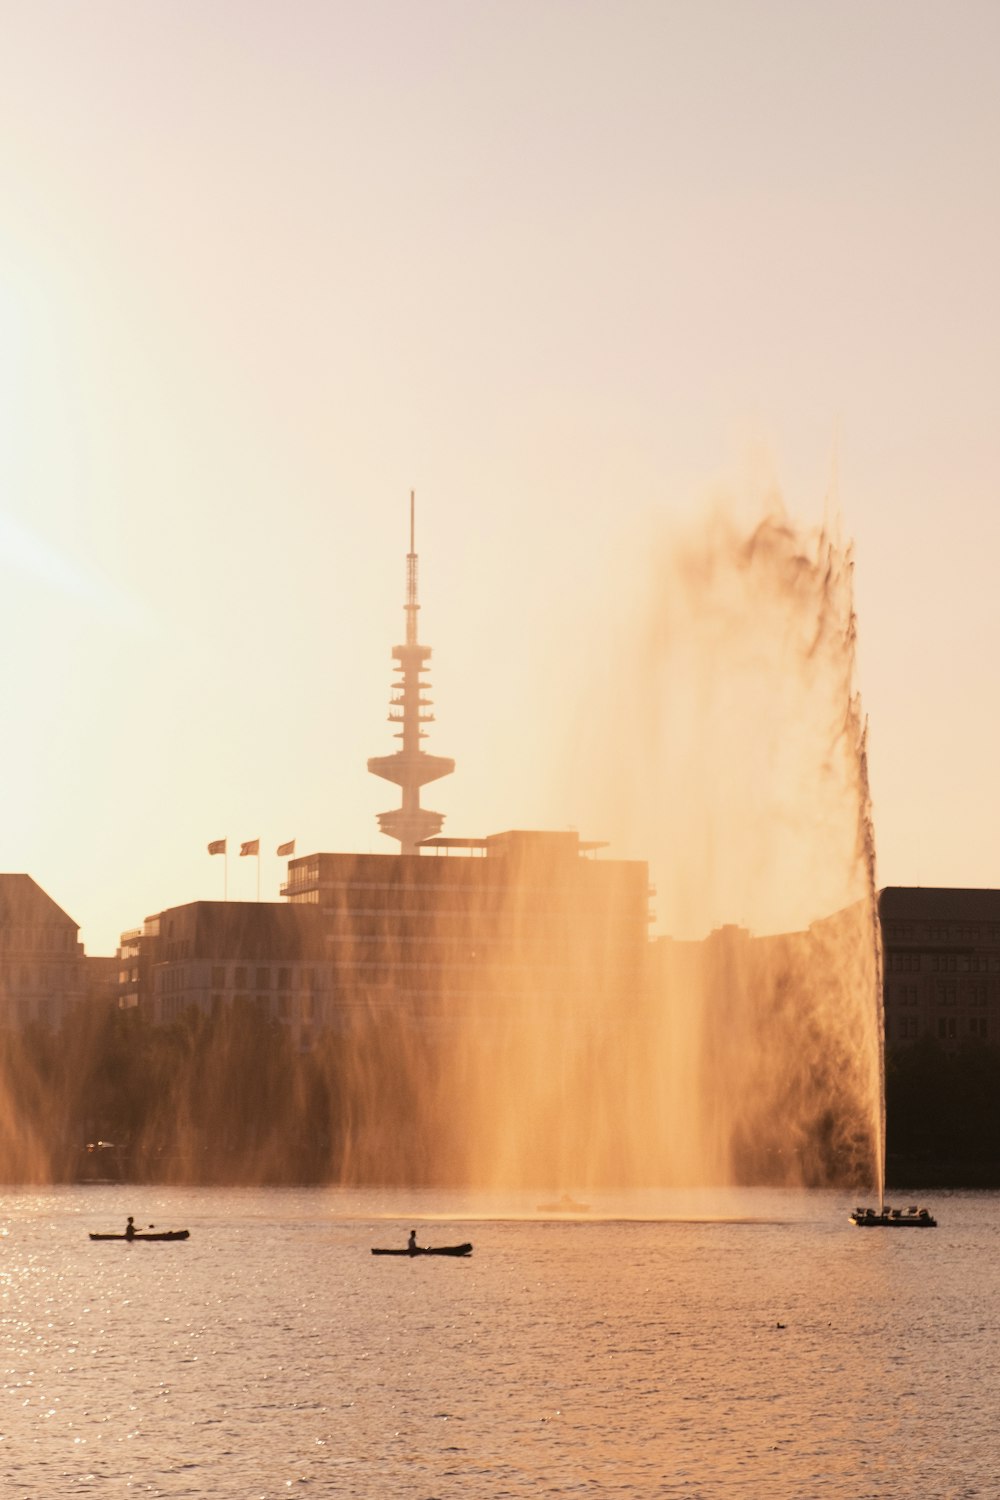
478	928
213	955
504	920
941	965
43	971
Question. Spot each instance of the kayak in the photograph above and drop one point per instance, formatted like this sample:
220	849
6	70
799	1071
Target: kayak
465	1249
167	1234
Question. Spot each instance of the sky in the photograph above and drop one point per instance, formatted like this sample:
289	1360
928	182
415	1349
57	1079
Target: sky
565	269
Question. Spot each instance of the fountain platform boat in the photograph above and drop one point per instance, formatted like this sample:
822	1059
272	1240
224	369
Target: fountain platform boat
893	1218
564	1205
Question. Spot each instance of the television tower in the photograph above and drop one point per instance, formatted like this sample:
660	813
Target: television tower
410	767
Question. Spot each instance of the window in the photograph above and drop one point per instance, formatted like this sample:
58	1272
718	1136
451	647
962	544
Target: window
263	979
218	977
284	979
240	978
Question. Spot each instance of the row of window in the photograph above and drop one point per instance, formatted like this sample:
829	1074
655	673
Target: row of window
263	978
942	932
38	939
939	992
906	1028
54	980
942	963
21	1012
235	977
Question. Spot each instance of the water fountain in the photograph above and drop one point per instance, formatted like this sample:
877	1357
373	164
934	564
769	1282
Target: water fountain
735	760
730	752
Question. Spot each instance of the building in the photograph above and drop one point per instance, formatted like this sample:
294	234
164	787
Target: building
444	930
941	965
43	971
214	955
478	925
485	930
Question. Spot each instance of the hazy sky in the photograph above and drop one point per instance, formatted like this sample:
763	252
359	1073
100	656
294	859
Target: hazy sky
560	267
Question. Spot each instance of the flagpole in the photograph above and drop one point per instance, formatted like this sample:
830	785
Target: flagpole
221	846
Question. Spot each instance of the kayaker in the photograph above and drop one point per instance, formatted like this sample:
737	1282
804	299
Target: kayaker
411	1243
130	1229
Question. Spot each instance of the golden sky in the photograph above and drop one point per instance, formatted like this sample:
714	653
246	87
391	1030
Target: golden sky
560	267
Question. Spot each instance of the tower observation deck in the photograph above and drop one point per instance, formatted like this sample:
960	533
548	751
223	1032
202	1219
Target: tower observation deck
410	767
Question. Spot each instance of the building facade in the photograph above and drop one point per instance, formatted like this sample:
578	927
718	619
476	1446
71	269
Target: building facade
941	965
214	955
43	970
478	929
478	925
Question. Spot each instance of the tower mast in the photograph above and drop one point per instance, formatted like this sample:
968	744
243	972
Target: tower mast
410	768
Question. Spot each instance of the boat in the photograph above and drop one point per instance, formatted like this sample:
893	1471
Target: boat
565	1205
465	1249
166	1234
893	1218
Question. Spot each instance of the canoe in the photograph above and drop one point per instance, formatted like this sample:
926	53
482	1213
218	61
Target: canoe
168	1234
465	1249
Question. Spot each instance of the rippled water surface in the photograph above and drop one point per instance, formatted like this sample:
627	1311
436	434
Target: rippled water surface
751	1344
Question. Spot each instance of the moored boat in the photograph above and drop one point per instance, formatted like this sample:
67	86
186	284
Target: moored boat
166	1234
893	1218
465	1249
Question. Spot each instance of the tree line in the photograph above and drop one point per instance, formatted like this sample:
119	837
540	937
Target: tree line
230	1098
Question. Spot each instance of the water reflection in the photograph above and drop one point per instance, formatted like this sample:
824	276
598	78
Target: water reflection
636	1357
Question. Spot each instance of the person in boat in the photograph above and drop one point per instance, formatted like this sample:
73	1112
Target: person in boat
411	1243
130	1229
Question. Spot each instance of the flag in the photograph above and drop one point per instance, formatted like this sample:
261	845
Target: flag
288	848
218	846
252	847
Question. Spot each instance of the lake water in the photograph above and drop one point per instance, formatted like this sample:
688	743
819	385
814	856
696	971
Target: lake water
751	1344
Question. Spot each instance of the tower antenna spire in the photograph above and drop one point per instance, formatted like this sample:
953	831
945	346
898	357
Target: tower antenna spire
410	767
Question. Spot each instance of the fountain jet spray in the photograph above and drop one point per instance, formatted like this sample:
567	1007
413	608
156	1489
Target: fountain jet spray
410	767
